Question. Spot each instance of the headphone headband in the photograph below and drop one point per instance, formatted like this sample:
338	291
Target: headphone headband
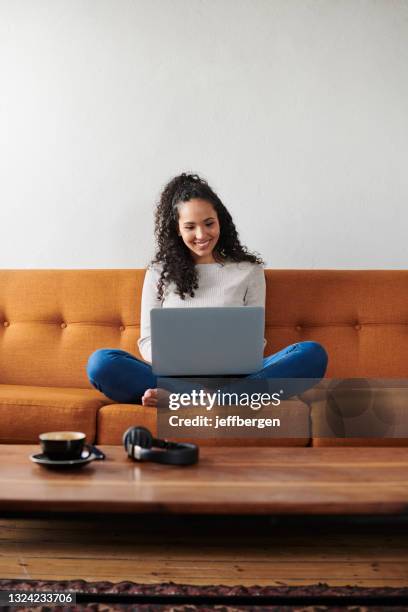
139	445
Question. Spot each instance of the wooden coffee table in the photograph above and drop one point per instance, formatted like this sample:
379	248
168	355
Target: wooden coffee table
226	481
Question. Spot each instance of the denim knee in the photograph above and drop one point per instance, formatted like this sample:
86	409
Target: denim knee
318	356
98	364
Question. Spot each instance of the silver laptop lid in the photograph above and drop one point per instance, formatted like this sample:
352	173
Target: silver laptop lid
207	341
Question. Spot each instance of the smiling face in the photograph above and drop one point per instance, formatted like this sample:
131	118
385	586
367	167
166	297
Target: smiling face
199	228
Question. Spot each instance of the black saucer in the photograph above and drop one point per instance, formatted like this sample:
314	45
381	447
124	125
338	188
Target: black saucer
41	459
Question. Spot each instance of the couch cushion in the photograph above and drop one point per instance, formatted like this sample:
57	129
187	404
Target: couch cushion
114	419
52	320
359	316
370	416
26	411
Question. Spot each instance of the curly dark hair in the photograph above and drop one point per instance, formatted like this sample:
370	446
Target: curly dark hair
178	265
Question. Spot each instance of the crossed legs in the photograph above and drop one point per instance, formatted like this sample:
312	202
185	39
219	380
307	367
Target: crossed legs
126	379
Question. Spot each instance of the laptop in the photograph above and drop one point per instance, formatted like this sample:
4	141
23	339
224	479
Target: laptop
214	341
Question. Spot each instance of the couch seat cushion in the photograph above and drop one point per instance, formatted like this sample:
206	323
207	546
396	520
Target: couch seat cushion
114	419
27	411
371	416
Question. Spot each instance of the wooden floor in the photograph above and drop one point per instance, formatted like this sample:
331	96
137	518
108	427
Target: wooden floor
199	550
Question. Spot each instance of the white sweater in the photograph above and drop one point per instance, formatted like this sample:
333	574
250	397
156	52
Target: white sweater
228	284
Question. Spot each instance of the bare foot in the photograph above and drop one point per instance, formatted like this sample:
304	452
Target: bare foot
150	397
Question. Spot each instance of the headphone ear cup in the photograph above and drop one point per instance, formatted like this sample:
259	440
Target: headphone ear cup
137	436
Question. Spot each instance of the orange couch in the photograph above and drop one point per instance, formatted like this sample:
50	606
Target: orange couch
52	320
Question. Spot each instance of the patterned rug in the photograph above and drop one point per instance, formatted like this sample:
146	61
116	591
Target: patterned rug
107	596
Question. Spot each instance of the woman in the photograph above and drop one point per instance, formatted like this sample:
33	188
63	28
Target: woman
199	262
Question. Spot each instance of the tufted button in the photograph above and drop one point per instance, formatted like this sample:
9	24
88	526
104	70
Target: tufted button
122	328
357	326
6	323
63	325
298	328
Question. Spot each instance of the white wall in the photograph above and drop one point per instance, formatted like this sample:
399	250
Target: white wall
294	110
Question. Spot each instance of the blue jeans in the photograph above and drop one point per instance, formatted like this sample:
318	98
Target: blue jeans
124	378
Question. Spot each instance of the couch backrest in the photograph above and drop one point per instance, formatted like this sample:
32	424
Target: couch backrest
52	320
360	317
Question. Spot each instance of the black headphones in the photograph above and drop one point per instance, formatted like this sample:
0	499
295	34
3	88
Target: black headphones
138	443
